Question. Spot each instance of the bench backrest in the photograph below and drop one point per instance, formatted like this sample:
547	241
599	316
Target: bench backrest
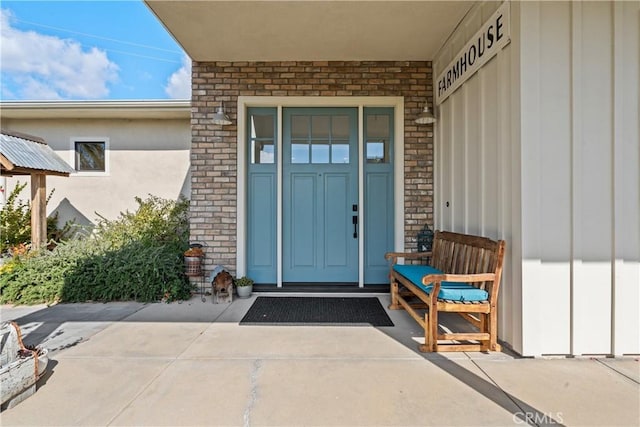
457	253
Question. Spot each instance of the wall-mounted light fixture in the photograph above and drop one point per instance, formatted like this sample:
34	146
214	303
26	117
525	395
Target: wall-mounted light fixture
426	117
220	117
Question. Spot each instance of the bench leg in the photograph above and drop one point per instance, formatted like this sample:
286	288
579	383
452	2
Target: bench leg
394	296
484	327
430	332
492	318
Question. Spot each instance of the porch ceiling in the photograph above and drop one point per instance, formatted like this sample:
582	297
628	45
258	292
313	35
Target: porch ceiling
338	30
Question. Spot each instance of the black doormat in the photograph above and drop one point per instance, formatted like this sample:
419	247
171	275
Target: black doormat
317	311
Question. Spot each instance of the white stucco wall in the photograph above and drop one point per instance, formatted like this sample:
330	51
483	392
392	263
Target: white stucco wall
540	147
146	156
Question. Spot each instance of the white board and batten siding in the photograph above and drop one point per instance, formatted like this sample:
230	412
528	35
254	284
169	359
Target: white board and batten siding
540	147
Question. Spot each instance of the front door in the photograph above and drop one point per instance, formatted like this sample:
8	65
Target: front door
320	195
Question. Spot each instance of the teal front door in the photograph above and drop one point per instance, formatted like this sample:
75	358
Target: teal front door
320	195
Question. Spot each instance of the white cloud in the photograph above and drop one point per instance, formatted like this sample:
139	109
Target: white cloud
179	83
37	66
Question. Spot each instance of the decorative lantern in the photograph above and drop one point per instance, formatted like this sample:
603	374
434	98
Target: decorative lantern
425	239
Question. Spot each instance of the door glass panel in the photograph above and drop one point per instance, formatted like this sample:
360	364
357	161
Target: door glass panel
377	126
375	152
262	134
378	135
320	151
340	152
320	126
340	127
299	152
300	127
262	152
262	126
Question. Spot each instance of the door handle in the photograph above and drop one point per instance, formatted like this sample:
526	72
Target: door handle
354	219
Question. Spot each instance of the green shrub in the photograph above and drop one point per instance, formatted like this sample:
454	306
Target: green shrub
135	257
136	271
39	277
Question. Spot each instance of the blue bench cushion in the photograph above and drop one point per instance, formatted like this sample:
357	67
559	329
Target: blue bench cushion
454	291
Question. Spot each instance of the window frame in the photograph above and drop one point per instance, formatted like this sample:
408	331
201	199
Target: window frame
96	139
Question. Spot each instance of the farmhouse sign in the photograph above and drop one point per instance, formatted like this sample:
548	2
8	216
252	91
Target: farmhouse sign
493	36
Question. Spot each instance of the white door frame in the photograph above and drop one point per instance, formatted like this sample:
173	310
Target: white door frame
360	102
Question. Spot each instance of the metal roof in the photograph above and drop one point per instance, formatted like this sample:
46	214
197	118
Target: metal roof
29	154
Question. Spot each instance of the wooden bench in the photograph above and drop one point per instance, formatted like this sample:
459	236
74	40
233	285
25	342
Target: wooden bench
462	275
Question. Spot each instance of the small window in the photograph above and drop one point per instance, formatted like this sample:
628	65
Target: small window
90	156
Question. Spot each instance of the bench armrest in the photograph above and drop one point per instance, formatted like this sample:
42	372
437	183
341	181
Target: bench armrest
435	280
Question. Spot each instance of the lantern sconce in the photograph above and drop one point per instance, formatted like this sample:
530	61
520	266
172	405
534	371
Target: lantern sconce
220	117
425	239
426	117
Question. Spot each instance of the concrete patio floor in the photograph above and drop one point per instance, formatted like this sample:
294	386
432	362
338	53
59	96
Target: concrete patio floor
192	364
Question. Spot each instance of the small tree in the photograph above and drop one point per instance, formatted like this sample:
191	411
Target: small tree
15	222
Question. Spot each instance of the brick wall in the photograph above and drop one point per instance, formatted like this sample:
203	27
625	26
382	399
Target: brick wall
214	148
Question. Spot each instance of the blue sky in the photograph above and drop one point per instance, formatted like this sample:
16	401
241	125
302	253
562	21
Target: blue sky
88	50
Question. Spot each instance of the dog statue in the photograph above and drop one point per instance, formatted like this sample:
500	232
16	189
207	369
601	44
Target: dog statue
222	288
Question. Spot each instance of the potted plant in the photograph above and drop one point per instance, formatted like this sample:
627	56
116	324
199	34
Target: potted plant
244	287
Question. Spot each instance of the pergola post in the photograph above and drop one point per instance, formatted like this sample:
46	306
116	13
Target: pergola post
38	210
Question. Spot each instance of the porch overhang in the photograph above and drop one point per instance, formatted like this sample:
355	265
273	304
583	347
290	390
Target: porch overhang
341	30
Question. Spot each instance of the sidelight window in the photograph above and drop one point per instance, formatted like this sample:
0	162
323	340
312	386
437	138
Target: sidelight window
378	137
262	138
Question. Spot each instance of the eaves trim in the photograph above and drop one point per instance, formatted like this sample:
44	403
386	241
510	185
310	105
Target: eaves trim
138	109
